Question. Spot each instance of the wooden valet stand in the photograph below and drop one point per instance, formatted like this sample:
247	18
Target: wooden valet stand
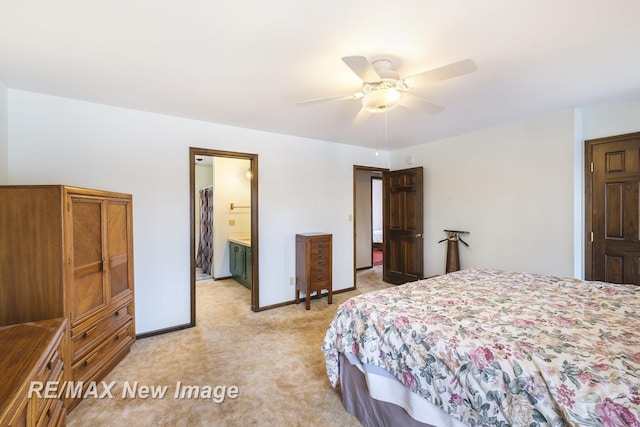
453	257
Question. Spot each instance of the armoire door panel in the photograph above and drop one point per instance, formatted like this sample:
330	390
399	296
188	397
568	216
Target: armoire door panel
87	231
88	292
118	245
87	296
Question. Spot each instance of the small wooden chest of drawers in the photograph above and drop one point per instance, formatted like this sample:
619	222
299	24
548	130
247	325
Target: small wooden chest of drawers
313	265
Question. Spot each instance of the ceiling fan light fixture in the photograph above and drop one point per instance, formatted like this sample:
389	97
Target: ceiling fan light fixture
381	100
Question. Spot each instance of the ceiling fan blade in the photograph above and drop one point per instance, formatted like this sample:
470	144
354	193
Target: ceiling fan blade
328	99
455	69
416	103
361	118
362	67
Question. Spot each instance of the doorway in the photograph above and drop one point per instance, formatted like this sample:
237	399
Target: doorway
402	218
377	234
367	223
235	212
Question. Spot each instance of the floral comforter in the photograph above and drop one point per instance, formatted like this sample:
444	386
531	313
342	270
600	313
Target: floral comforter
500	348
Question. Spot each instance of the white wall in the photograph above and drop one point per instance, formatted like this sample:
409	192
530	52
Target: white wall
510	186
304	185
230	186
4	134
518	188
611	119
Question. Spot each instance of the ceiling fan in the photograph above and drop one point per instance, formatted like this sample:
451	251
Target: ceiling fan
383	89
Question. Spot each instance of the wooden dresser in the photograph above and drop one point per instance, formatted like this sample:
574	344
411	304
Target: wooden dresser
32	357
68	252
313	265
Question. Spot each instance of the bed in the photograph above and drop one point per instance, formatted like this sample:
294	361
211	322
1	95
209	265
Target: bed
486	347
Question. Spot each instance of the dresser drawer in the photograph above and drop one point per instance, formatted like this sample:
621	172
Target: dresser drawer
53	414
319	274
321	246
19	418
51	369
319	262
53	372
85	337
90	364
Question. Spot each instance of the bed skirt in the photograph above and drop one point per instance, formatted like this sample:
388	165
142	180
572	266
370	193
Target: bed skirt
371	412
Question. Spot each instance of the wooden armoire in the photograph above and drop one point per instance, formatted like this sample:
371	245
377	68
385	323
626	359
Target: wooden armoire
68	252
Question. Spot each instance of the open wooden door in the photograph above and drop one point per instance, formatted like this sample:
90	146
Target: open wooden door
612	209
403	226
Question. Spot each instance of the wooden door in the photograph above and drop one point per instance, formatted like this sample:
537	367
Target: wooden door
403	226
613	212
87	289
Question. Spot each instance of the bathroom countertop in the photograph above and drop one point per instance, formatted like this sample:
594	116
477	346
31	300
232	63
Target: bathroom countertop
240	238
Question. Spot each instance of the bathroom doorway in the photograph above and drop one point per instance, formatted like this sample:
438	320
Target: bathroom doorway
231	202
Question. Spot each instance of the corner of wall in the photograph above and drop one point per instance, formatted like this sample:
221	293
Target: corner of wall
4	134
578	196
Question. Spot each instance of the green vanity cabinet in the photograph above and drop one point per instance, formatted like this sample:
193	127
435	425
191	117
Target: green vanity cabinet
240	263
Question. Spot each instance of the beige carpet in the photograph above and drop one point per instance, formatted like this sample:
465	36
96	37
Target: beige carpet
272	357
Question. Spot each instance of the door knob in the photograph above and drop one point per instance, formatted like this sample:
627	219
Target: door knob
418	235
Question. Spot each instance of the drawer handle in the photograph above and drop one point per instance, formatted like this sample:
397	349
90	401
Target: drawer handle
49	365
117	313
89	359
89	332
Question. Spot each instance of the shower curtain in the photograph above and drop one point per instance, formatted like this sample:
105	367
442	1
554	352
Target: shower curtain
204	259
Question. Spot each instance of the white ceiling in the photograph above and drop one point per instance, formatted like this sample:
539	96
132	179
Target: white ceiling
247	62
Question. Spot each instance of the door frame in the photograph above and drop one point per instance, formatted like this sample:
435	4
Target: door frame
253	159
356	169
